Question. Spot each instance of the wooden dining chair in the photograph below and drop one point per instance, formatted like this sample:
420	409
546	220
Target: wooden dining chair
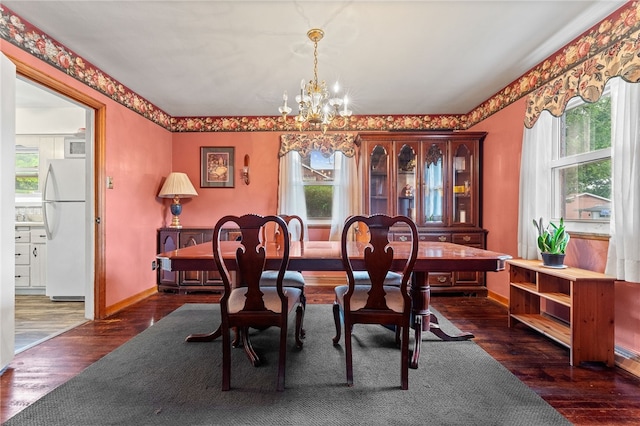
375	302
291	278
248	304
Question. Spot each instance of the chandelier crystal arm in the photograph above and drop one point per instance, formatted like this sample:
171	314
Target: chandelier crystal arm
315	106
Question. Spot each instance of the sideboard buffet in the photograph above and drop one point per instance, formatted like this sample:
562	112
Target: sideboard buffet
188	281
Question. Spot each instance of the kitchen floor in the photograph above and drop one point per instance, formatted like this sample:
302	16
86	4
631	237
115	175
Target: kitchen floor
38	319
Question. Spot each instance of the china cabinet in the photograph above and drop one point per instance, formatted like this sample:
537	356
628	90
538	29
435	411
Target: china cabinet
435	179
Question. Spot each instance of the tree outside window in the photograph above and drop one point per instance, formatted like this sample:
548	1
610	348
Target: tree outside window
581	169
318	173
27	164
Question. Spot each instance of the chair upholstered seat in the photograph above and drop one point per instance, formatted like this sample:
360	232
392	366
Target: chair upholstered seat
291	279
362	277
271	299
360	295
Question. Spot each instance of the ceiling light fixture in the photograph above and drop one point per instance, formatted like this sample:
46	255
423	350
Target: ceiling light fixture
315	106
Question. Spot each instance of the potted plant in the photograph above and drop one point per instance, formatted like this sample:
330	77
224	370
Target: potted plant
552	242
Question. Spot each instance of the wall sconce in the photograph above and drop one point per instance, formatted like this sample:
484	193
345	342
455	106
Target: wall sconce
245	170
177	186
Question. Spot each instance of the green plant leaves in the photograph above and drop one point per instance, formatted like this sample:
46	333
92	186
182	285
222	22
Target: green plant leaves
553	238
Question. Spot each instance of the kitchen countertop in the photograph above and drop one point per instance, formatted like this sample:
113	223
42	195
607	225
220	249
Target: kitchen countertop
29	223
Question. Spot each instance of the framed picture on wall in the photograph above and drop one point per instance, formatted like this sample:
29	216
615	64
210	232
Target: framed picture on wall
217	167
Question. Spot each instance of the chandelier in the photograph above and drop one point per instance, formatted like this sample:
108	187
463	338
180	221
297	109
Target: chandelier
315	105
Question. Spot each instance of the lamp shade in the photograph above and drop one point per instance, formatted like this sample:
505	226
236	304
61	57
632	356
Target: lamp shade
177	185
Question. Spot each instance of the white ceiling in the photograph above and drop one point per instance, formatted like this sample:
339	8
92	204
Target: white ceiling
235	58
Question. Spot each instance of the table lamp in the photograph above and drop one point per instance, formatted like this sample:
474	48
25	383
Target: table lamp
177	186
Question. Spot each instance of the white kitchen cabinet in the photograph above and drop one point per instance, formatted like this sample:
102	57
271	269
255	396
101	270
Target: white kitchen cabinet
38	258
31	259
22	276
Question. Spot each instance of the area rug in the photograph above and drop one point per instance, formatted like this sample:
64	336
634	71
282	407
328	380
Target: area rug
159	379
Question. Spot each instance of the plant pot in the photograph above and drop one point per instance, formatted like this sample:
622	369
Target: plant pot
553	259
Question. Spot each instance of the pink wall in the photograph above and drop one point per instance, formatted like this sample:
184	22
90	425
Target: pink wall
260	196
500	187
138	156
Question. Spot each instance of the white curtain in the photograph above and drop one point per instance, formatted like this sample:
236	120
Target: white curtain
346	193
535	181
623	260
291	199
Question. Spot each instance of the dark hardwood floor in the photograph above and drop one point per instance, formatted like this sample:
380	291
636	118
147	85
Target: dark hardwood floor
587	395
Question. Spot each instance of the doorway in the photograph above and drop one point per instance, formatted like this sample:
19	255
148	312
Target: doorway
47	125
95	305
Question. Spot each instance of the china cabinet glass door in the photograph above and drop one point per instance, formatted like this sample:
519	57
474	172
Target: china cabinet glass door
379	180
406	181
462	184
433	185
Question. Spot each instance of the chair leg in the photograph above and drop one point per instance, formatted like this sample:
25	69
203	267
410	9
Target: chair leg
404	353
236	340
337	321
282	359
226	360
299	321
303	300
248	348
398	330
348	354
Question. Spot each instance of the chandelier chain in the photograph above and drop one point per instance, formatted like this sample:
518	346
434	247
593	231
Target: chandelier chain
315	64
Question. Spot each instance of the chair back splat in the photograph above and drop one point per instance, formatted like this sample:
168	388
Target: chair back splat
374	300
295	279
247	304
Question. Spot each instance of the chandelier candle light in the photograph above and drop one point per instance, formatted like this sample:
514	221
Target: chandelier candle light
315	106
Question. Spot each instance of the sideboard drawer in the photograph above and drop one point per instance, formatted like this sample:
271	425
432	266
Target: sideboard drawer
470	239
440	279
438	237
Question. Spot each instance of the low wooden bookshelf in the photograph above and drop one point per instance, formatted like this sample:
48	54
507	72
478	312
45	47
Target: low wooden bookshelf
537	293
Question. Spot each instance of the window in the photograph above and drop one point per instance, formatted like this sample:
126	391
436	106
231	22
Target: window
27	164
318	172
581	166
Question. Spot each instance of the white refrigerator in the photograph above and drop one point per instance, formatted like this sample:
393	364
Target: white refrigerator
64	218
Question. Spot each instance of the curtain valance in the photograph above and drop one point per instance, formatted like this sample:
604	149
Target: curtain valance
587	79
327	144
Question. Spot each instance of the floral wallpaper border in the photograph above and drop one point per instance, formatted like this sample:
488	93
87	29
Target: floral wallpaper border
614	33
327	144
609	52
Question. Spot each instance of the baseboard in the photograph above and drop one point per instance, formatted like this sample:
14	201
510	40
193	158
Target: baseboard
21	291
627	360
498	298
110	310
324	278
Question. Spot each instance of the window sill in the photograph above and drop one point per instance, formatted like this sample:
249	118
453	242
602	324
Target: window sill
588	229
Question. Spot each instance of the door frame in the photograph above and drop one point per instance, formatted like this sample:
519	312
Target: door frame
40	77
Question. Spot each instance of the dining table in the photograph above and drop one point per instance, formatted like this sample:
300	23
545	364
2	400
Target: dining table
326	256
